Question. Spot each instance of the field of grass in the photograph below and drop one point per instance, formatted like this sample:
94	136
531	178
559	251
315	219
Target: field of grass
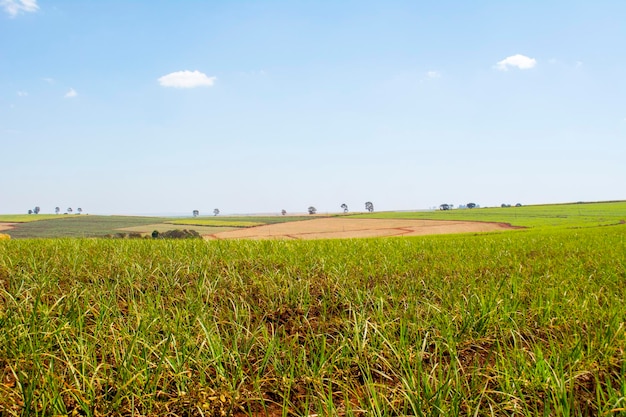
27	218
544	216
56	226
521	323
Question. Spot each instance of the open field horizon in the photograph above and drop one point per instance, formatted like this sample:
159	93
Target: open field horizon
336	225
526	322
49	212
232	208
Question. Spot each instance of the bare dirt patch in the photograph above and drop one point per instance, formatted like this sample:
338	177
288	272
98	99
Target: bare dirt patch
333	228
7	226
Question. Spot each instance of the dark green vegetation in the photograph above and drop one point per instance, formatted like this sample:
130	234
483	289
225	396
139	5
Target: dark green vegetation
78	226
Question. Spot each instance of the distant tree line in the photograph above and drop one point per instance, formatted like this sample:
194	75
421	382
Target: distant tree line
196	213
57	210
369	206
446	206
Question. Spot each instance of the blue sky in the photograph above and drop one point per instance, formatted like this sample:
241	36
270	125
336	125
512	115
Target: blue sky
151	107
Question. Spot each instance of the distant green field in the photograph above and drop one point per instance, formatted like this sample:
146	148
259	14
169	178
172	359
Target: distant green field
554	215
54	226
27	218
78	226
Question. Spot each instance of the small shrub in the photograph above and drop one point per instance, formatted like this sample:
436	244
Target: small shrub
180	234
122	235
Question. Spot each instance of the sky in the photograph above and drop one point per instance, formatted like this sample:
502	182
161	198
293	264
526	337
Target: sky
165	107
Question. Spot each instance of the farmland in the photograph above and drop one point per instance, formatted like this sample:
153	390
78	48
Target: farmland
538	216
522	322
58	226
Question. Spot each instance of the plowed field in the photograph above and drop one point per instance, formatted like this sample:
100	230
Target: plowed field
329	228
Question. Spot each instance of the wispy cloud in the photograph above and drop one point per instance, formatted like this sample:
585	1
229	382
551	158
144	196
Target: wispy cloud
71	94
433	74
15	7
186	79
516	61
22	93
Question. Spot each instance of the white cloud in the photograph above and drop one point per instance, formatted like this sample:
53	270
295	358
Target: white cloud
433	74
15	7
518	61
22	93
186	79
71	94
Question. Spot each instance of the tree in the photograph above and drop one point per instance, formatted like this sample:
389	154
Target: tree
444	207
312	210
216	212
369	206
283	212
36	210
30	211
57	210
471	205
344	206
196	213
79	210
69	209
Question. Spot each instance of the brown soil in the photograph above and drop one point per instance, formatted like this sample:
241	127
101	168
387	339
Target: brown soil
332	228
6	226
